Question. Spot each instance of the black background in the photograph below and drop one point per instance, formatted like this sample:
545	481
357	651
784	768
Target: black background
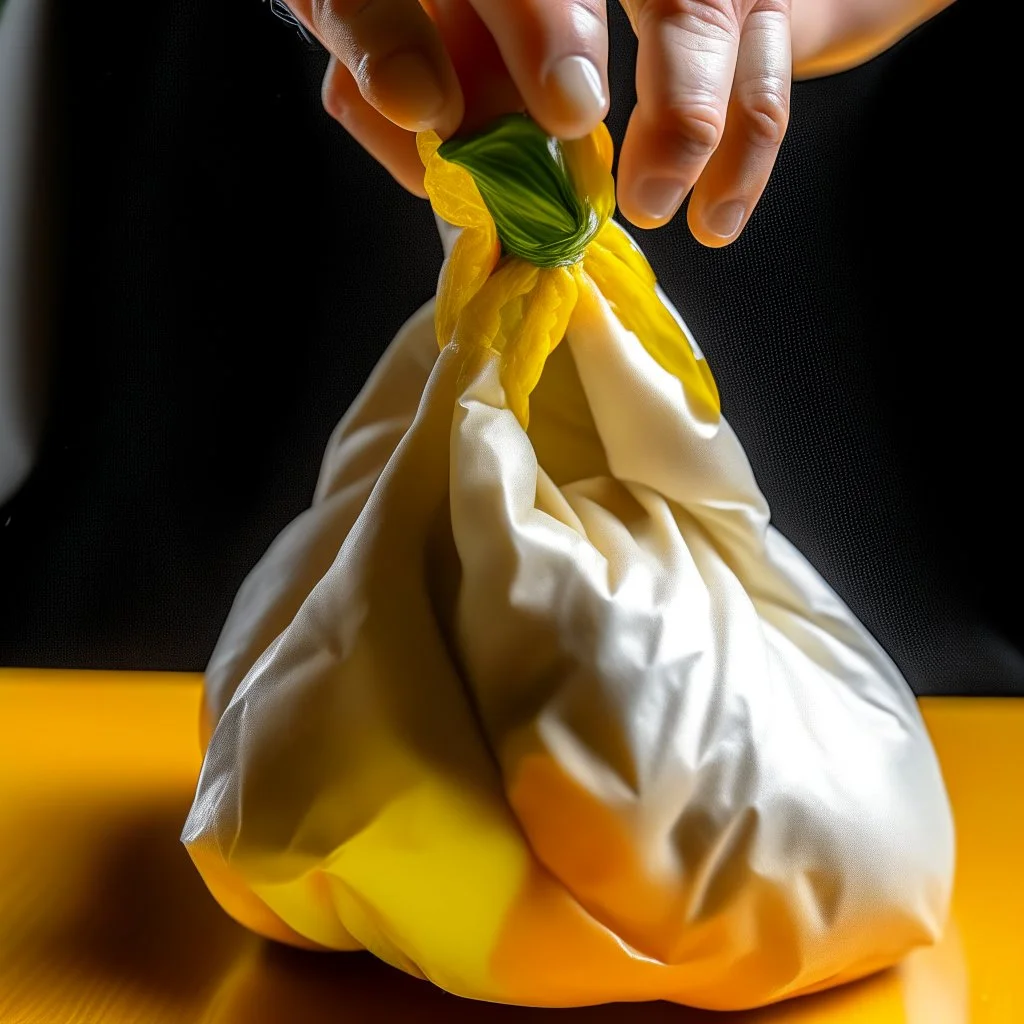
230	266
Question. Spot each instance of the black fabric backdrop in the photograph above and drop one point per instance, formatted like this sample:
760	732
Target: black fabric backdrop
231	266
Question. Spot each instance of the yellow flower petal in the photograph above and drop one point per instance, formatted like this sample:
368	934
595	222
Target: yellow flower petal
452	191
544	317
589	161
464	273
481	323
632	298
427	144
455	198
621	245
521	311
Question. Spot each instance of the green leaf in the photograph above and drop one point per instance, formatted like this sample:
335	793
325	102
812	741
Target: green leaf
523	179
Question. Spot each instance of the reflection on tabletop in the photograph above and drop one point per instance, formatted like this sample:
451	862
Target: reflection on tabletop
104	919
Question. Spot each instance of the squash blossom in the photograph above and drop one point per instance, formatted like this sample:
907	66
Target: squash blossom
537	228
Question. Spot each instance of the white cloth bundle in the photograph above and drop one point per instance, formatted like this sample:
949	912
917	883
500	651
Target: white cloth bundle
553	715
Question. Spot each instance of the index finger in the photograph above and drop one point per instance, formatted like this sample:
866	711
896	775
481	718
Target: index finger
685	65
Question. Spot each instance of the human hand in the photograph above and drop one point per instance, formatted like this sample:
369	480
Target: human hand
713	83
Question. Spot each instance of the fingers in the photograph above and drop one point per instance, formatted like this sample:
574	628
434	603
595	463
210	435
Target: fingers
395	56
392	146
834	35
557	54
737	173
550	56
487	87
685	64
713	85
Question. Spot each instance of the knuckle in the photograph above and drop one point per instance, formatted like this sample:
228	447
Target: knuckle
711	18
765	107
780	7
696	128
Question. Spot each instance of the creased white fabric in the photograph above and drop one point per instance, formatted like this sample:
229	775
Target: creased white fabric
599	601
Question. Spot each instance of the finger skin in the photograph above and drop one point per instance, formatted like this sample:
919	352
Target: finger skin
686	62
390	145
738	171
487	86
557	54
834	35
395	55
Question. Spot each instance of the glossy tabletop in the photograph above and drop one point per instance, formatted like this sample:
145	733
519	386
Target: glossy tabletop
103	918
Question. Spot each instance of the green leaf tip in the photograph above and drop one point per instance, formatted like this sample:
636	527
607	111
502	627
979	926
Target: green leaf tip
522	176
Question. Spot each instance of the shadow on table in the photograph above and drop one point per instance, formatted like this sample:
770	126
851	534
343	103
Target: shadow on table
144	918
277	985
148	923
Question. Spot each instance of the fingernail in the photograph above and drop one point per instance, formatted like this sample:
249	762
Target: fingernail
410	86
726	218
580	89
658	198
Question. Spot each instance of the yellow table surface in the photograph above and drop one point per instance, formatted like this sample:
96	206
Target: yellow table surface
104	919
